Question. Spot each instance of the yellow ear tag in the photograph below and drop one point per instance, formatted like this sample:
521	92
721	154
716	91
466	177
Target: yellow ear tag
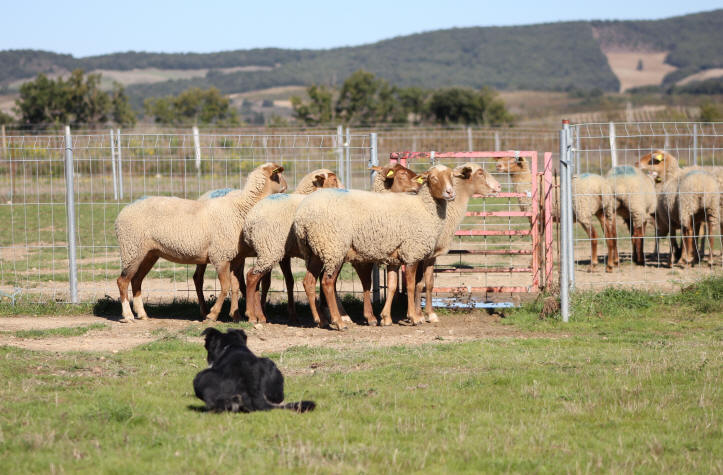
275	170
658	156
420	179
390	173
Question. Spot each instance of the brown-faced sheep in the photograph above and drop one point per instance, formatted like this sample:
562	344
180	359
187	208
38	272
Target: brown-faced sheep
359	226
592	197
188	232
635	202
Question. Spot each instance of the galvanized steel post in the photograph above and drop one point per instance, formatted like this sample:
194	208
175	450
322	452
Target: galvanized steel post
347	158
564	210
112	165
120	163
570	213
695	144
374	161
197	148
70	214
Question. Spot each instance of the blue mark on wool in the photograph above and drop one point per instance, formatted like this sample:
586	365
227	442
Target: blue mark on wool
338	190
623	170
584	175
278	196
141	198
696	172
220	193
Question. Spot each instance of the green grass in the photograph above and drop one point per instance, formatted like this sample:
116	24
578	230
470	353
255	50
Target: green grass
631	384
62	331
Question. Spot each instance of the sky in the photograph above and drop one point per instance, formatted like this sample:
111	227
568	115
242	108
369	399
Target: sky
92	27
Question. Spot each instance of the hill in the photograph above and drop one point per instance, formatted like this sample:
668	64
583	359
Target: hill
550	57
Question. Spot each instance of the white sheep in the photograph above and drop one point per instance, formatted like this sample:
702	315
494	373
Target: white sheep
359	226
267	235
698	203
469	179
188	232
635	202
592	198
664	168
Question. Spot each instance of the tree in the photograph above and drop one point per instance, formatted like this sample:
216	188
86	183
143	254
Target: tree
318	110
639	67
467	106
192	106
710	112
6	119
79	100
365	99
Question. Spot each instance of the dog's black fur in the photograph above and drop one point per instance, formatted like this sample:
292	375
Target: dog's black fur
237	380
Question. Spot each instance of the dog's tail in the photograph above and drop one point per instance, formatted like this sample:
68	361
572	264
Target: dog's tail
298	406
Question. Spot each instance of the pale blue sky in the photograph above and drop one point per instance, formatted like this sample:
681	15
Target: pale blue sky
89	27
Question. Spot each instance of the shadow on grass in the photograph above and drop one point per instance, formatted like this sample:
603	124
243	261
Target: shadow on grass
276	312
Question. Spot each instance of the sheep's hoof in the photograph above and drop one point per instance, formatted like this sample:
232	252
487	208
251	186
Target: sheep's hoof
387	322
209	320
142	317
432	318
338	326
372	322
127	320
346	318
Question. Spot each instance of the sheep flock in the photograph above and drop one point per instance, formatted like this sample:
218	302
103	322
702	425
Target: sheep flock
408	219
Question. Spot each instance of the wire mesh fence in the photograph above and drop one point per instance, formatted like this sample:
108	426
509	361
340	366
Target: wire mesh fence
657	174
112	170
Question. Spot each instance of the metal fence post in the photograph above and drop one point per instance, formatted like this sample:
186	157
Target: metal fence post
564	210
5	154
570	213
340	153
70	214
347	157
470	146
120	165
613	147
197	148
112	165
695	144
498	145
374	161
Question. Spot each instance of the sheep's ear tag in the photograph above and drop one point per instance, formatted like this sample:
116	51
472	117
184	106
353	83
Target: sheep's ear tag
658	156
276	170
420	179
390	173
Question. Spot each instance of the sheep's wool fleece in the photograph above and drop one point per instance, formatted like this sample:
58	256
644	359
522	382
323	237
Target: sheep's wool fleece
373	226
633	191
591	193
268	229
187	231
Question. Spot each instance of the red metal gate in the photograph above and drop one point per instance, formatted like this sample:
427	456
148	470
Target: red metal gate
539	216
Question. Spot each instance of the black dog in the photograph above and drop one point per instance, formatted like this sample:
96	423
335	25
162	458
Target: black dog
237	380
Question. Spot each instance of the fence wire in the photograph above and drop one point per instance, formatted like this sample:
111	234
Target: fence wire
596	149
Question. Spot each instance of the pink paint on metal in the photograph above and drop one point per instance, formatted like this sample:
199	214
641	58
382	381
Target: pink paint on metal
547	199
537	223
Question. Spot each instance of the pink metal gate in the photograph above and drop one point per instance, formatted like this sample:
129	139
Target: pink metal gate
539	215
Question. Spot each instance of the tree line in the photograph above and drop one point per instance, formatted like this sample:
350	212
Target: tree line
365	99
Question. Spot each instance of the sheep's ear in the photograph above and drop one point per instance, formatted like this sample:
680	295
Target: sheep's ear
319	180
463	172
277	170
376	168
521	160
422	177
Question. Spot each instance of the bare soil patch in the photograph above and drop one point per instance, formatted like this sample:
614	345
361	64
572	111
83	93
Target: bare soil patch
624	65
702	76
266	338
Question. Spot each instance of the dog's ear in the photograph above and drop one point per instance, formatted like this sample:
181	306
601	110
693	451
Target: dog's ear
210	331
238	333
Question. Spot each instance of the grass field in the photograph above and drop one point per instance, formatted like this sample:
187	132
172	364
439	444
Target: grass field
632	384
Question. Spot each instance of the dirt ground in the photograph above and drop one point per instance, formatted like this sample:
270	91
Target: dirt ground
263	338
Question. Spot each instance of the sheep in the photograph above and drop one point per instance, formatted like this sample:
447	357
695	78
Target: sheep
592	196
698	202
664	168
320	178
469	179
188	232
360	226
267	235
635	202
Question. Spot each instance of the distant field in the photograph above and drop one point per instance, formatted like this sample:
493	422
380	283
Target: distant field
624	65
702	76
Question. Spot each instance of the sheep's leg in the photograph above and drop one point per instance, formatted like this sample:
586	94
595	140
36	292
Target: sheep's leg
313	270
609	233
136	282
265	286
328	287
687	241
236	279
429	286
123	280
239	271
252	281
364	271
285	265
410	276
592	235
198	283
224	276
638	254
392	274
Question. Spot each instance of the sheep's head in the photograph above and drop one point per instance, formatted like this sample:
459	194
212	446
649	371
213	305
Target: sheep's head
400	179
478	180
324	178
511	164
275	183
440	181
658	165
